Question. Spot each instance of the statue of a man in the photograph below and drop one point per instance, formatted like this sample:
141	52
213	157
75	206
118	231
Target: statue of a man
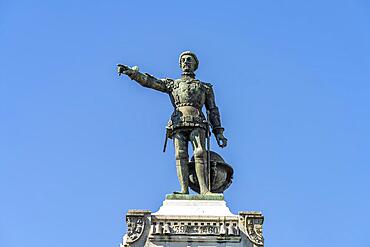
188	123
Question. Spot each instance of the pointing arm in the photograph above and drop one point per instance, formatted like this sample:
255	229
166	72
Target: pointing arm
144	79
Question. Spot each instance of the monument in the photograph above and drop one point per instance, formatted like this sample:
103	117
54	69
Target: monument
184	219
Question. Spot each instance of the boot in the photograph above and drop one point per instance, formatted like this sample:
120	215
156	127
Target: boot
202	175
183	175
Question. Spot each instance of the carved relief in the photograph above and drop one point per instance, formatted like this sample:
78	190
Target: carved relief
135	220
252	223
254	230
195	228
135	227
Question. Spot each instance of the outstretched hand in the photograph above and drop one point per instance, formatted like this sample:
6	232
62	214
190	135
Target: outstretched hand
123	69
221	140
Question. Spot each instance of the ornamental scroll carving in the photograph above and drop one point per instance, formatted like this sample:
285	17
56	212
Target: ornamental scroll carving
135	221
252	224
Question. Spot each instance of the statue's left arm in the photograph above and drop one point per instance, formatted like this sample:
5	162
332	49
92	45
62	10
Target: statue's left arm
214	116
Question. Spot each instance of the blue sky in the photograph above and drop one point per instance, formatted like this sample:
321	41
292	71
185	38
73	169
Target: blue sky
80	146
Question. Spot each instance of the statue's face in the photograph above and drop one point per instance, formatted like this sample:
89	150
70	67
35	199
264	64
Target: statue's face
188	63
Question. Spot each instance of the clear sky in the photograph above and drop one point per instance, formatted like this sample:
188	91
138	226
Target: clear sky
79	146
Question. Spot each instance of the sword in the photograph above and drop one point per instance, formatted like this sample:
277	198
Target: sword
209	151
165	140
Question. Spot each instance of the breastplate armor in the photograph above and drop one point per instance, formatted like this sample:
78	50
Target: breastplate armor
188	98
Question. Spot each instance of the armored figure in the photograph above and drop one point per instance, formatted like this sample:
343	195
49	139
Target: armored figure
187	123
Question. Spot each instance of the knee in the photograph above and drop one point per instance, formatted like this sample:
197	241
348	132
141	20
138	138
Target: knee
181	154
199	153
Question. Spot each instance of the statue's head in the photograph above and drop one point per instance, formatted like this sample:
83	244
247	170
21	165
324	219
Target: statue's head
188	62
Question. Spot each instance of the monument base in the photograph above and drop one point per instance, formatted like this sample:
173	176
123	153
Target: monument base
193	220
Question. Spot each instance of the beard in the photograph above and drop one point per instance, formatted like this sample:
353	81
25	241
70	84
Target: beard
187	68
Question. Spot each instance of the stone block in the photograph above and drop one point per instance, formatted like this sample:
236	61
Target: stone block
189	221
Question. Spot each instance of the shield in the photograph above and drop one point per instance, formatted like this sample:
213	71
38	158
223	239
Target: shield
221	174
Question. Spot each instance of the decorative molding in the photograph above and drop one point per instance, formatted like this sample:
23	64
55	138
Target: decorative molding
194	227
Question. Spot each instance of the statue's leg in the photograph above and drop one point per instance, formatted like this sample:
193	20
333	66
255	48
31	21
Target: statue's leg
182	159
198	139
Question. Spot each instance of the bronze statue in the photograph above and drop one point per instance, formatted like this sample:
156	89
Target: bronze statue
188	123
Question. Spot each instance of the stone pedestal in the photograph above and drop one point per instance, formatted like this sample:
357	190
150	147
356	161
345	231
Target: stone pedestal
193	220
